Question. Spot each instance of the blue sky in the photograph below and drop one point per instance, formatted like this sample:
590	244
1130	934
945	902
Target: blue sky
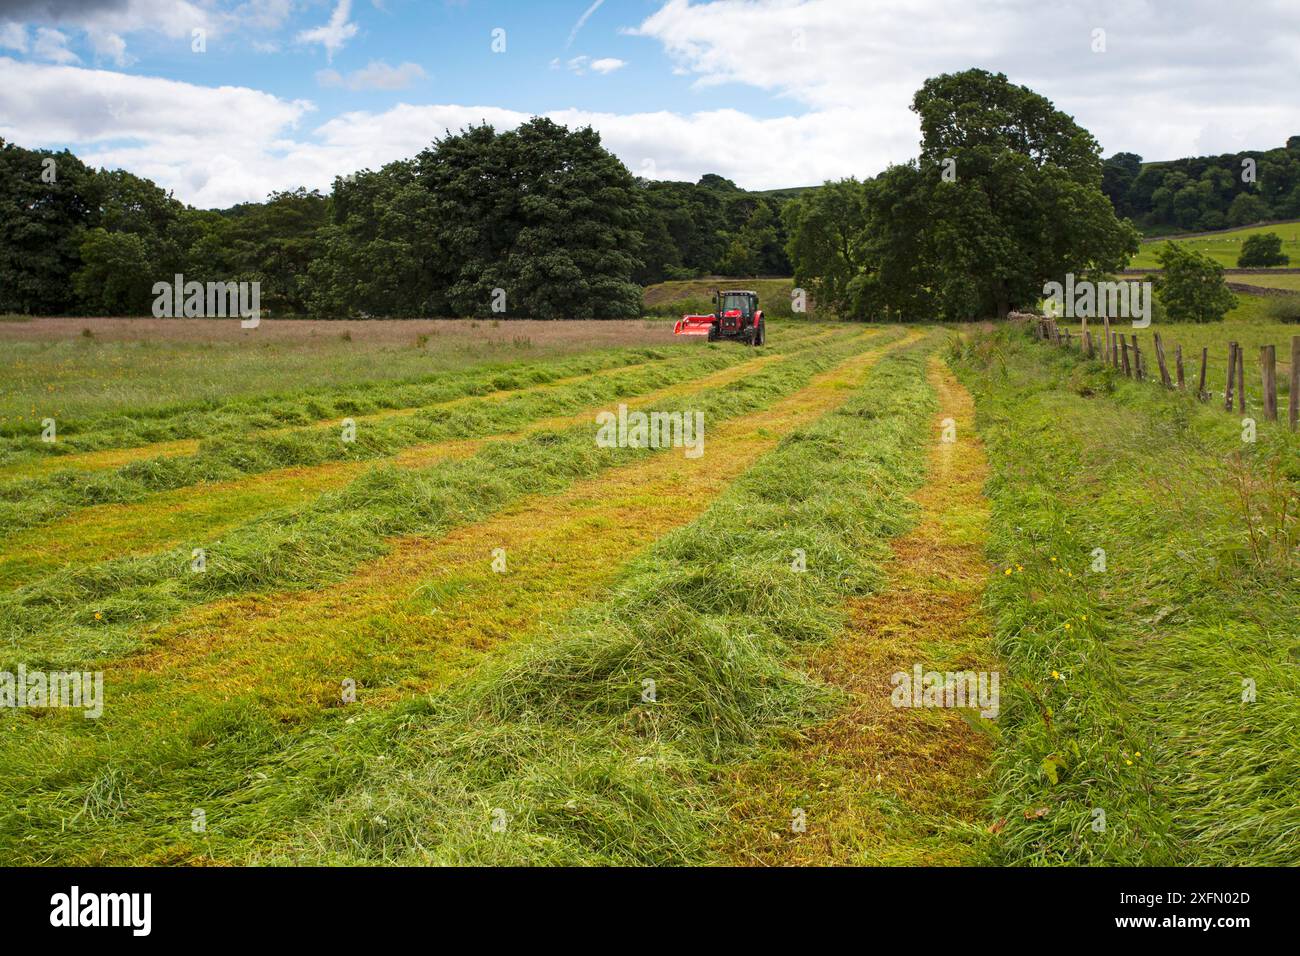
452	43
767	92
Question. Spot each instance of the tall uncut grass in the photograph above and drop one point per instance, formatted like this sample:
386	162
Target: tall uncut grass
1150	717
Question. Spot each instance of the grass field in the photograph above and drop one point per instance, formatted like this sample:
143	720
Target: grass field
476	634
1223	247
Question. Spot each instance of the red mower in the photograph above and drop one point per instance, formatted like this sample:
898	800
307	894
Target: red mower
736	316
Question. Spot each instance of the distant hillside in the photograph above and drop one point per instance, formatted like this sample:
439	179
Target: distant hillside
1205	193
1222	247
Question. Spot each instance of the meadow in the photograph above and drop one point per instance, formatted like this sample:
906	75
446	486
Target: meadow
473	635
1223	247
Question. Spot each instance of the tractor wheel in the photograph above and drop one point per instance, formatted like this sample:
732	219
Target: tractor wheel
760	335
713	334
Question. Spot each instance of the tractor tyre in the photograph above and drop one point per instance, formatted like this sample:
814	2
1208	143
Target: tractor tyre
713	334
760	334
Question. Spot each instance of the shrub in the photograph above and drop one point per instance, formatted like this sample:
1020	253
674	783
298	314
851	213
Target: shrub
1261	251
1192	288
1283	308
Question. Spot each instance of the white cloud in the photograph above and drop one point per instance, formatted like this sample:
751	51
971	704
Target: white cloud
212	145
219	146
376	75
581	64
334	34
112	47
13	37
52	45
1172	82
1169	85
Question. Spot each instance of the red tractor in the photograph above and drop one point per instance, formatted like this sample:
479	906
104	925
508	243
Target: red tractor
736	316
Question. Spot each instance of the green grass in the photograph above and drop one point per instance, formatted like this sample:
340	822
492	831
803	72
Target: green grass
1223	247
1289	281
84	377
85	614
553	733
122	425
1124	691
27	502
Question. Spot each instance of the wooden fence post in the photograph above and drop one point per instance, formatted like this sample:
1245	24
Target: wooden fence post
1160	360
1087	343
1137	359
1123	345
1178	362
1205	360
1109	348
1293	406
1268	376
1241	378
1232	371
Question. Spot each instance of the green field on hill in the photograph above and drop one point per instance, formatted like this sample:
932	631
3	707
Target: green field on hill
1222	247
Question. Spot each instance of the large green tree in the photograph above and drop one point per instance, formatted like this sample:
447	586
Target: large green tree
1015	190
1004	197
826	230
541	220
47	201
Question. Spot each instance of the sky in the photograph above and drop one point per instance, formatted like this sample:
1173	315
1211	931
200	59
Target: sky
225	101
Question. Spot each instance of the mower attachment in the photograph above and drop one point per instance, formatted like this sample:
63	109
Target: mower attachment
693	325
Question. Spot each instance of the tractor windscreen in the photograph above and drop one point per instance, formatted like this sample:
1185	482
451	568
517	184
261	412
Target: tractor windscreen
735	303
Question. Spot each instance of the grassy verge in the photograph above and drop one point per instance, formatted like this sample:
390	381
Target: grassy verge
1150	715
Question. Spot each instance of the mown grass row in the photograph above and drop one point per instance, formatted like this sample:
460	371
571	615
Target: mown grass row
26	503
233	762
1145	605
600	743
305	404
302	407
86	614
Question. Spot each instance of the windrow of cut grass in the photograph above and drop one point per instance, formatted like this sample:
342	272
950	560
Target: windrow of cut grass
102	444
602	743
414	619
878	784
706	611
1145	605
27	503
164	520
85	614
134	428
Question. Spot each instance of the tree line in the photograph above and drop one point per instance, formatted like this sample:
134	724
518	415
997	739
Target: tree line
1205	193
538	222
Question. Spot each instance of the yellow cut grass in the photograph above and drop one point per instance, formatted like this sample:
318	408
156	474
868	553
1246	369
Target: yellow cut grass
417	617
880	785
199	513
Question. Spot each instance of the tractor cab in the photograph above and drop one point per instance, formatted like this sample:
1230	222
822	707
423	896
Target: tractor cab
735	310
